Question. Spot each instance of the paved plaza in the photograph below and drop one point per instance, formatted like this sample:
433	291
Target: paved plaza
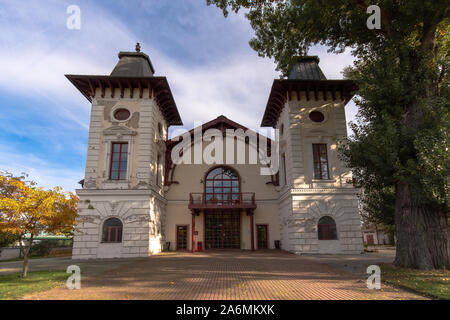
271	274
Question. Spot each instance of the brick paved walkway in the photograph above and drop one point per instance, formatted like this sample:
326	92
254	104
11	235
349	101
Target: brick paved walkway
225	275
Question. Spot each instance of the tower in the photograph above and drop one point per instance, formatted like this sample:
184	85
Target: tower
318	203
122	203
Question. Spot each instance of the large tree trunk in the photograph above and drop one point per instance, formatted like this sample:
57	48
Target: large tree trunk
422	233
422	230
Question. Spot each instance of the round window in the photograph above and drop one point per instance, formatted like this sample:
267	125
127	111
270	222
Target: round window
121	114
316	116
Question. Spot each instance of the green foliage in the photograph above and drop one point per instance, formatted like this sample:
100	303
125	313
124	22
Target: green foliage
401	138
41	249
288	28
7	239
44	247
378	206
402	133
384	148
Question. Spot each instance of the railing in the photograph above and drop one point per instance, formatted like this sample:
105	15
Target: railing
224	200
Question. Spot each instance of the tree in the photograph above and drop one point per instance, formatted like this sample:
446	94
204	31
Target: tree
7	239
402	135
378	205
26	210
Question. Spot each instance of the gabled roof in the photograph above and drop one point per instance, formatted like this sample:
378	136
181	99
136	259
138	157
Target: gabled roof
222	123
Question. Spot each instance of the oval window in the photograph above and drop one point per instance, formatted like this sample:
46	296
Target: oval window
316	116
121	114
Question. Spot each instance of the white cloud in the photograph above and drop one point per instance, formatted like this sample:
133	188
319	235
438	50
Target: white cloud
38	49
46	174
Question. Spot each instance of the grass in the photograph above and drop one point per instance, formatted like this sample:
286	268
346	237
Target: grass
51	255
431	283
13	286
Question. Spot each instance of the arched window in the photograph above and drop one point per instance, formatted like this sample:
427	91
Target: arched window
112	230
326	229
222	186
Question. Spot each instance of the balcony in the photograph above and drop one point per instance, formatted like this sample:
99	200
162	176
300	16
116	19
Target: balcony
241	200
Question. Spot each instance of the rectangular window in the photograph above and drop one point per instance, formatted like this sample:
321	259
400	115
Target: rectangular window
119	158
283	169
320	157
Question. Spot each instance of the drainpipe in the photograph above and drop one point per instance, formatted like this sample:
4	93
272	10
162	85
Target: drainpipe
252	232
193	232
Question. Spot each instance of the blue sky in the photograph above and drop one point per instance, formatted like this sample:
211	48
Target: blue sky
209	65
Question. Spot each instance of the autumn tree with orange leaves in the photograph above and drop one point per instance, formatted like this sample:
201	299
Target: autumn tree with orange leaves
27	210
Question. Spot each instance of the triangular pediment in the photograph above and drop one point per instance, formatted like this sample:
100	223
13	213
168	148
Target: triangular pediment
119	130
221	123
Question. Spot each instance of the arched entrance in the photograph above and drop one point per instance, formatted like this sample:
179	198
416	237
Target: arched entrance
222	226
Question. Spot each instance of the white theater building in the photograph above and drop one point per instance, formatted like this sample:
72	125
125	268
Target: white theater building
136	200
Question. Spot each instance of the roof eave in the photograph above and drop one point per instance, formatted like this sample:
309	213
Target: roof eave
287	86
88	84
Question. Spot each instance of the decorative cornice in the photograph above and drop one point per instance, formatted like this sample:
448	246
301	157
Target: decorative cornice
310	191
325	190
119	130
119	192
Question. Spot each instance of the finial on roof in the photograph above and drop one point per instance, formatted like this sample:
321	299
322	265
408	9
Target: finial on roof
138	47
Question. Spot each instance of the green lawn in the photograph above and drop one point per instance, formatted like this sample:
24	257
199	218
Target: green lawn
52	255
13	286
434	283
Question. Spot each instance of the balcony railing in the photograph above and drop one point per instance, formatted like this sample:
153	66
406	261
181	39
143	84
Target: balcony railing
241	200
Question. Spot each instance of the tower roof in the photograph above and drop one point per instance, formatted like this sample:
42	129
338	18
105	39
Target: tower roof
132	77
133	64
307	68
306	76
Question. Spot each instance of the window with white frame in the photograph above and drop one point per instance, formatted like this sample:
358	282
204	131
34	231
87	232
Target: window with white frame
320	158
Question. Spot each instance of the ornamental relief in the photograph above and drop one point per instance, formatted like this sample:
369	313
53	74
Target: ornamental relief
320	208
119	131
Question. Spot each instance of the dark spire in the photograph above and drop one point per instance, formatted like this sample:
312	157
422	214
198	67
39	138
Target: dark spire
307	68
133	64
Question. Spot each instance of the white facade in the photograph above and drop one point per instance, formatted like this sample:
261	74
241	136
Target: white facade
152	201
303	199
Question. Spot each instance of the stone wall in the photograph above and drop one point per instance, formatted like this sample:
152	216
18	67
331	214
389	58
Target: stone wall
142	216
299	229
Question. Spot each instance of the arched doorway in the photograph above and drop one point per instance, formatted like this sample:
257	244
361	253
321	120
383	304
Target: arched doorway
222	226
